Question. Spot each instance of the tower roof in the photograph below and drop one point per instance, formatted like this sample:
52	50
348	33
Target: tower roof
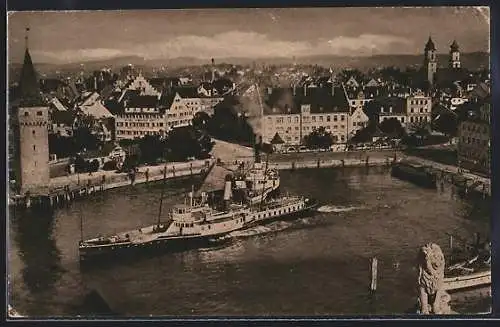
454	46
29	89
430	45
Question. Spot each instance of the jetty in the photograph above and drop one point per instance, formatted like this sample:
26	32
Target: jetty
439	174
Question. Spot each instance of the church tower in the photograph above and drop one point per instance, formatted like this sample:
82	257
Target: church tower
430	60
454	55
31	130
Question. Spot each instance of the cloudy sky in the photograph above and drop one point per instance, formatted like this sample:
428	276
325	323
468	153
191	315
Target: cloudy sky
61	37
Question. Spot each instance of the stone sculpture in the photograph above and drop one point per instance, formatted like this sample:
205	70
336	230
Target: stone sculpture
432	298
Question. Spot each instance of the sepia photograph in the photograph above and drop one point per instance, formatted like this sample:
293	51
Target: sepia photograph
289	162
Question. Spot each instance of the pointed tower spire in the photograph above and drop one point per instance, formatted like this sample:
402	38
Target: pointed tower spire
29	88
430	44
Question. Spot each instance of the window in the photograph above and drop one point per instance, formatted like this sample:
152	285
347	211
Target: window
34	148
33	132
328	118
342	117
26	114
39	113
335	118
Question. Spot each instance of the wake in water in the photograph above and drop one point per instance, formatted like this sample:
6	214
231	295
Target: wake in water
262	229
333	208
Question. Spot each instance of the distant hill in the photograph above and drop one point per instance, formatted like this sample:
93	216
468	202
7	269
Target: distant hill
473	61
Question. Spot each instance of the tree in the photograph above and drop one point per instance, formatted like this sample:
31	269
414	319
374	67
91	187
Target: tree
94	165
365	134
392	127
81	166
110	165
319	139
152	148
84	139
447	123
420	129
185	142
201	120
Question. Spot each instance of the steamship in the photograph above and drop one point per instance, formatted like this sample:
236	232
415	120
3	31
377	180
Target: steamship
192	225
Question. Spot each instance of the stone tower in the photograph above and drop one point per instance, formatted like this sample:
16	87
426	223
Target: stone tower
31	131
454	55
430	60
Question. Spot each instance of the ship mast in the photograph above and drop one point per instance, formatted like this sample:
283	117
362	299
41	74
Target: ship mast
264	183
162	190
191	195
81	223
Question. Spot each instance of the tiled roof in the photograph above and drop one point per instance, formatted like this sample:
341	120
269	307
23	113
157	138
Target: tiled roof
62	117
92	106
142	101
447	76
321	100
397	104
161	83
187	92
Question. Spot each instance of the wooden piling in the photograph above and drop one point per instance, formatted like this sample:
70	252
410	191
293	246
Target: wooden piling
374	271
451	242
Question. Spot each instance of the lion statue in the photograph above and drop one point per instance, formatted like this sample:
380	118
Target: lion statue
432	298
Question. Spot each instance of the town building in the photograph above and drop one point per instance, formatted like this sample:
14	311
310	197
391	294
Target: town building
139	110
293	113
418	108
358	120
474	138
386	108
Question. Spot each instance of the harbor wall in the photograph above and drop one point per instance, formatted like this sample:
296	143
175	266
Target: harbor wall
65	189
332	163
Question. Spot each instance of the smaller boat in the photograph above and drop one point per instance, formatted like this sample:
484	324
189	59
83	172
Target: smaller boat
471	273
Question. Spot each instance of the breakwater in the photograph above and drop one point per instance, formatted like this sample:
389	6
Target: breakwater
65	189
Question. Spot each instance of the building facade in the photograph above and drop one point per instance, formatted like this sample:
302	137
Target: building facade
418	108
474	142
294	113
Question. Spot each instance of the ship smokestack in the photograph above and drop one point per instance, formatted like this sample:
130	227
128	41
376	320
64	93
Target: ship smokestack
257	147
228	193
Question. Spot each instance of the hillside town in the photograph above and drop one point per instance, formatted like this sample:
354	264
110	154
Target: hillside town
333	110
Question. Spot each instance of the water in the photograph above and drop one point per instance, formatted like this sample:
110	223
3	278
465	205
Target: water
316	265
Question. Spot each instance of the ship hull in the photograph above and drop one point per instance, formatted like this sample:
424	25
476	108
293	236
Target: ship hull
155	247
276	216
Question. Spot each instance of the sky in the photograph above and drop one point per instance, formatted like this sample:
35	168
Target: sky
63	37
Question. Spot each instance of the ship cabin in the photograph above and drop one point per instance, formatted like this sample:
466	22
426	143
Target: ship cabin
183	219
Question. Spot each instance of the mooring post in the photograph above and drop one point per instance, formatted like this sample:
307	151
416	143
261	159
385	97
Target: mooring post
293	165
374	270
451	242
318	163
342	162
367	160
27	199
